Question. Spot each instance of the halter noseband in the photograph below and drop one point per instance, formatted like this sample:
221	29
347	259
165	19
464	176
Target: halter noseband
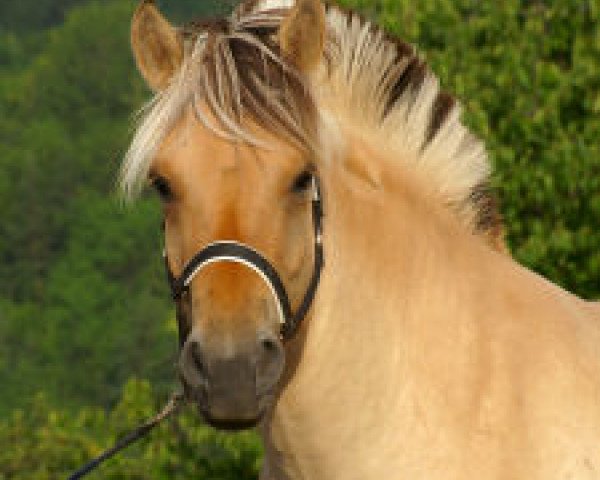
231	251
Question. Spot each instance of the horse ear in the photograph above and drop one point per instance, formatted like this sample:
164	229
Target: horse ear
157	48
302	34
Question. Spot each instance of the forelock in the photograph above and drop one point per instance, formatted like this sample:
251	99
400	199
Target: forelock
234	68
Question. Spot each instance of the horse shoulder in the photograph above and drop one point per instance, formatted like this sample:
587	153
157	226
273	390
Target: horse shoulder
545	343
564	381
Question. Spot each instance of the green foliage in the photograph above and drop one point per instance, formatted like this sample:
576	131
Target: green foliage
42	443
182	11
31	15
528	73
90	52
82	279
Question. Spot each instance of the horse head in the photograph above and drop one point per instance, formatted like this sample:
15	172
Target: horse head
235	165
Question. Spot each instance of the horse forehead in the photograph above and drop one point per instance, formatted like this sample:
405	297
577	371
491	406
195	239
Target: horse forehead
192	146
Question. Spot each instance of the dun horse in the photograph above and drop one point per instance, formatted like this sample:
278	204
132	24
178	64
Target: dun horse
426	351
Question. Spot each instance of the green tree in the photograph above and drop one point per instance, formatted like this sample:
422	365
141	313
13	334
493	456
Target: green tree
30	15
182	11
81	278
33	14
42	443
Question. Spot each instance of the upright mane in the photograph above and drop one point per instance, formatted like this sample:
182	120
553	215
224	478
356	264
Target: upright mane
368	81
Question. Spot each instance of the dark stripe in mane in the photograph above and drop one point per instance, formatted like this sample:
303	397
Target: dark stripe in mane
442	106
411	78
489	220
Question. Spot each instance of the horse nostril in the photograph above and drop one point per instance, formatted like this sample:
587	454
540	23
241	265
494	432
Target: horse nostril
269	363
193	365
269	345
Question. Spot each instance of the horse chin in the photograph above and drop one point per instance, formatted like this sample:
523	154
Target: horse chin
230	425
230	421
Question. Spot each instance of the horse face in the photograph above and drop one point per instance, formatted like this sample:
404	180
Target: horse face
213	189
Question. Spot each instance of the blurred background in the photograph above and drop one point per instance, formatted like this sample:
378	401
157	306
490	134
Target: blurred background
87	335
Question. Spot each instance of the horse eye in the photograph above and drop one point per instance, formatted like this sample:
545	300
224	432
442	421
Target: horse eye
302	182
163	189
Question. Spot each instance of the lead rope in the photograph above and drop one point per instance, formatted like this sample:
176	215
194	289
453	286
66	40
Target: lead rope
174	404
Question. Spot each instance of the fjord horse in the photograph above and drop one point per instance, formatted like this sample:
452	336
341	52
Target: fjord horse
426	351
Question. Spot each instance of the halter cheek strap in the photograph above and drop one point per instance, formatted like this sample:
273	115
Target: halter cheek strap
236	252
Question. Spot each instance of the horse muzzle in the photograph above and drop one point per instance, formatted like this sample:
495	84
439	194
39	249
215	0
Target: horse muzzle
232	390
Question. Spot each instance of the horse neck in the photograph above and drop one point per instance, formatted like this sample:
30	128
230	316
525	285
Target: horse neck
386	304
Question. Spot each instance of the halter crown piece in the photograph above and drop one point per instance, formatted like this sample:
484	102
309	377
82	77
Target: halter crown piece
231	251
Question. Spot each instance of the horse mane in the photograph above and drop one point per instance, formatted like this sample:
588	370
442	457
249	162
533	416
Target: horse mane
376	83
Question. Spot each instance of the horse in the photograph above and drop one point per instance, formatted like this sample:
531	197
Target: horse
422	348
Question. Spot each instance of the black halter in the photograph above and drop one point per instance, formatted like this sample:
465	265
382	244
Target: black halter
230	251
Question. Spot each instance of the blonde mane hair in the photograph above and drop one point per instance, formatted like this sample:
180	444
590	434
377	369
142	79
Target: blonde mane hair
375	84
